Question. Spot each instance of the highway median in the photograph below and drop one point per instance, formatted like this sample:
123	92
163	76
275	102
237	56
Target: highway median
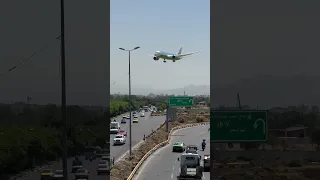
126	168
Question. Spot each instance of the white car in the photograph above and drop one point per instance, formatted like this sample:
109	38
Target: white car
105	158
119	139
103	169
142	114
135	120
58	175
103	161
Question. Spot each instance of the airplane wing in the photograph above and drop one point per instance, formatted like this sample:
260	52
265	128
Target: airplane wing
187	54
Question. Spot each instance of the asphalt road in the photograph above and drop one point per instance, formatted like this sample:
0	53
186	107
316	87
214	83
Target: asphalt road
163	163
145	126
90	166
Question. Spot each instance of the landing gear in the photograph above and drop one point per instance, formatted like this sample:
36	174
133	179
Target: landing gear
173	60
164	61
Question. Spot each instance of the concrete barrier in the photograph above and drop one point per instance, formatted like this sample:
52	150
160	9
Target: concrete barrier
164	143
156	114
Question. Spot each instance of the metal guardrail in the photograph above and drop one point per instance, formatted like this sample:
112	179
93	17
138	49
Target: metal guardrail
133	172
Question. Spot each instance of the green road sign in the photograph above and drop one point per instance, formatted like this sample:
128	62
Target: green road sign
181	101
238	126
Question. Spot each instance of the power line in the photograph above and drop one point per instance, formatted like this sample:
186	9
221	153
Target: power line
113	82
28	58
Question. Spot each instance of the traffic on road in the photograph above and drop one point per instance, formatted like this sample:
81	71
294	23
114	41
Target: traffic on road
182	158
142	125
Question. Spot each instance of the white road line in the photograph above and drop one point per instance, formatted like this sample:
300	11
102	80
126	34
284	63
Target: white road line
171	175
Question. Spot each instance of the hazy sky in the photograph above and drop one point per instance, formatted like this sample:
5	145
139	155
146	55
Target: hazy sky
166	25
26	26
277	38
251	38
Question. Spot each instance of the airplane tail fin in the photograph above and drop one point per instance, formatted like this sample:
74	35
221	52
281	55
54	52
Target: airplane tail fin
180	51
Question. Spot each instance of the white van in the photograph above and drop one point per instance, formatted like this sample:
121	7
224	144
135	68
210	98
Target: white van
114	127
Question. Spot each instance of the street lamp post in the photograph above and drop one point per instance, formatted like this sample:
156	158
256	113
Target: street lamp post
130	104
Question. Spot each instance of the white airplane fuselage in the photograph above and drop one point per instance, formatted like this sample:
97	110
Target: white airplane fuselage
165	56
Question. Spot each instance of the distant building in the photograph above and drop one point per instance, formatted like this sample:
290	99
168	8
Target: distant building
298	132
18	107
315	109
202	103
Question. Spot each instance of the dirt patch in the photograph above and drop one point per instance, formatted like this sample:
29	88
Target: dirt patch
122	169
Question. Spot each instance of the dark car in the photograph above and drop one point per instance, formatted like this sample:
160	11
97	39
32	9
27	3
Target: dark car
123	121
192	149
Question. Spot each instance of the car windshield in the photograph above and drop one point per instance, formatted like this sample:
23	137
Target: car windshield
47	171
192	147
119	136
114	125
81	171
190	158
103	166
177	143
59	172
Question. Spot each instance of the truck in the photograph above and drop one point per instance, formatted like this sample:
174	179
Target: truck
76	164
146	108
206	163
190	167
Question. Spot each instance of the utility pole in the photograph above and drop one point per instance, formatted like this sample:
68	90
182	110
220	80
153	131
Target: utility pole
239	103
63	95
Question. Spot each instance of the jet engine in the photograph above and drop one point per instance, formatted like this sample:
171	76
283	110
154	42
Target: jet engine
155	58
173	57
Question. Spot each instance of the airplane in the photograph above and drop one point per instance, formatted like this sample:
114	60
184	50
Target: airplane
170	56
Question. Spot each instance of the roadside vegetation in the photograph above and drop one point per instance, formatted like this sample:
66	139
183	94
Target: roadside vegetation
30	135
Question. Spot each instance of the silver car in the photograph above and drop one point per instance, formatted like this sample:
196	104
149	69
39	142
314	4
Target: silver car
103	169
82	174
58	175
